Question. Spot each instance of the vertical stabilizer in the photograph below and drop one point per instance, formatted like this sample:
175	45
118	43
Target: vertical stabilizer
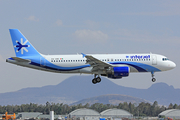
22	46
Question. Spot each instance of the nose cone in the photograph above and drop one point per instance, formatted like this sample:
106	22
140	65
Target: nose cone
171	65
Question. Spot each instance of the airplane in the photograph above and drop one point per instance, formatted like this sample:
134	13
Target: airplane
114	66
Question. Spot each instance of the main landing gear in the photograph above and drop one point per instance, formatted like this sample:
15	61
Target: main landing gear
153	79
96	80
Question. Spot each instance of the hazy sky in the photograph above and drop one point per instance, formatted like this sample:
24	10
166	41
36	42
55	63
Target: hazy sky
99	26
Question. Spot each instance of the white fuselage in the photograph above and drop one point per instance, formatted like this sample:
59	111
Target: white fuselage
77	63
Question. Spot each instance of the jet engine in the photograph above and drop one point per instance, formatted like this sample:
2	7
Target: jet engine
118	72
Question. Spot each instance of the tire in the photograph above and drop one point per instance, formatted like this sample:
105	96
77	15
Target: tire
98	79
153	79
94	81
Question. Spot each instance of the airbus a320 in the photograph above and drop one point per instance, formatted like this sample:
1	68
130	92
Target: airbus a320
115	66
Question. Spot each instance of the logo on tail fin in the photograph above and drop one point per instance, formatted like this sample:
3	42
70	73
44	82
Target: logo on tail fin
21	46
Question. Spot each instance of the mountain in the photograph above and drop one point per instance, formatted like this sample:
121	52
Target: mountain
113	99
77	88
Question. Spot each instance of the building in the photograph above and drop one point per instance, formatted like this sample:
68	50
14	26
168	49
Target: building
27	115
48	116
88	114
80	114
1	116
116	113
172	113
83	112
36	115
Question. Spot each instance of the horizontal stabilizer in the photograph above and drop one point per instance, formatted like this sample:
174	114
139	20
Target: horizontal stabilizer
20	59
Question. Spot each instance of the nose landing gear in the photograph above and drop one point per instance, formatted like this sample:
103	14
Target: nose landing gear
96	80
153	79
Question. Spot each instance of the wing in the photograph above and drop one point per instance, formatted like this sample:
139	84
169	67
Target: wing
96	63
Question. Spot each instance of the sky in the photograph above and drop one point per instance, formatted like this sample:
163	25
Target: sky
86	26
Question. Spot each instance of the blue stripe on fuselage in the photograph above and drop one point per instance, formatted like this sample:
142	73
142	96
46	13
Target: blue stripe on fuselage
139	66
36	62
54	67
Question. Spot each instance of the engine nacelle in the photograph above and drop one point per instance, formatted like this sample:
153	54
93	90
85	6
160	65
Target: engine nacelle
118	72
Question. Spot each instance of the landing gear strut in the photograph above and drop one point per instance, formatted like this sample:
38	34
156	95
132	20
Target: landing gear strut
153	79
96	80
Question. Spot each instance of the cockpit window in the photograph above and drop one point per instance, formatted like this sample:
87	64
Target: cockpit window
165	59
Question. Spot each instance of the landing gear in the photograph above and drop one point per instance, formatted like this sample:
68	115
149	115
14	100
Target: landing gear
96	80
153	79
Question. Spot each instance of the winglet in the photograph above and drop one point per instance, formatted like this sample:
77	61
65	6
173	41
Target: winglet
83	55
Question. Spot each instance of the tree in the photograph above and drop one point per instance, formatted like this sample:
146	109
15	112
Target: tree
170	106
175	106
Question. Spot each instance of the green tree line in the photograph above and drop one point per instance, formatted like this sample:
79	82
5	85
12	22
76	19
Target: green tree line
142	109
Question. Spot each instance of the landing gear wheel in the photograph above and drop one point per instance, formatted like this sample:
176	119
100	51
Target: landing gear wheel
94	81
98	79
153	79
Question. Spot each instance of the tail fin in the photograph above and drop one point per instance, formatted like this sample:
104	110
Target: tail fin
22	46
